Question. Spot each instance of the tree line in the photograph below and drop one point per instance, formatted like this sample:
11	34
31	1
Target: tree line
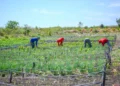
14	24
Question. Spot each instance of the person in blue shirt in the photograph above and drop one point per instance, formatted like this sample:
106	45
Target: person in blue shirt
34	41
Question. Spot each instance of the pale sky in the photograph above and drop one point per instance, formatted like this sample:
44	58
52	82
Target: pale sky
48	13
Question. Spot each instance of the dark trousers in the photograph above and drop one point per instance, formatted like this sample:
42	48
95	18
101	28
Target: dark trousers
87	41
60	43
33	45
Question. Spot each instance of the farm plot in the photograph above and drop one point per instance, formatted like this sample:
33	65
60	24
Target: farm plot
70	57
51	60
12	42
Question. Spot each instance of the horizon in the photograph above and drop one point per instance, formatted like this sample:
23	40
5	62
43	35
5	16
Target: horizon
63	13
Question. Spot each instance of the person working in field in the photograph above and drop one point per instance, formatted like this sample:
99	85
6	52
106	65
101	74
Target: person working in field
34	41
60	41
103	41
87	42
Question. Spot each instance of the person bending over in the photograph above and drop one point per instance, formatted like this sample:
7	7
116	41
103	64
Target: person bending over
60	41
34	42
87	42
104	41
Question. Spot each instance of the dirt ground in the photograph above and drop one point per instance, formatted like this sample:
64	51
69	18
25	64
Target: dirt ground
113	73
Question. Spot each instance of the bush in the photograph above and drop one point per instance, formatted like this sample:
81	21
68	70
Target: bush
101	26
2	33
7	37
8	31
86	27
95	31
26	32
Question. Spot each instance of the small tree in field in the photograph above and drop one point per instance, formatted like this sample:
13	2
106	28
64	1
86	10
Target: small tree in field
27	30
80	24
101	26
86	27
12	24
118	22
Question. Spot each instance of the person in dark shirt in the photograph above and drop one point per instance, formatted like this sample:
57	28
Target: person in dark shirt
87	41
34	41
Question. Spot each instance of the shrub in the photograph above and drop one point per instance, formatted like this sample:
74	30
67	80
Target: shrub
95	31
26	32
86	27
2	33
101	26
7	37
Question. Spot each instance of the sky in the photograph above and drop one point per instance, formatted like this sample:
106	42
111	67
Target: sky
64	13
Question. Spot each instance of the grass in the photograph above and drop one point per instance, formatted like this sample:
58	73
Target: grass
71	58
7	42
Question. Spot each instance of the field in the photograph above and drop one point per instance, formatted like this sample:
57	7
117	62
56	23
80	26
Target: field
50	60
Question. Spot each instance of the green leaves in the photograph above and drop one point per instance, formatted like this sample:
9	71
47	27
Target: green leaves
12	24
71	58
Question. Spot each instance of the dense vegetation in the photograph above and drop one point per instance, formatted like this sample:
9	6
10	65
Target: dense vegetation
72	58
68	59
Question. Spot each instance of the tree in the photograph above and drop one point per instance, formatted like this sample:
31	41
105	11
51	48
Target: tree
27	30
12	24
101	26
80	24
36	27
86	27
118	22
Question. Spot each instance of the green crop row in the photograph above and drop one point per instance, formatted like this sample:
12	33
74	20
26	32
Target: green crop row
7	42
71	58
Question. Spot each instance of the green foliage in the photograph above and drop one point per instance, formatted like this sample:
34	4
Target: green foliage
9	41
12	24
101	26
118	28
86	27
36	27
1	28
95	31
118	22
7	31
2	33
50	31
7	37
17	32
80	24
71	58
26	30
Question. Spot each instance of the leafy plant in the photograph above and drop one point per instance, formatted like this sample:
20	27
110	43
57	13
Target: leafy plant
12	24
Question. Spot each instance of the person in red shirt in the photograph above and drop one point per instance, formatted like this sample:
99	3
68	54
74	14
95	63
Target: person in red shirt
103	41
60	41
